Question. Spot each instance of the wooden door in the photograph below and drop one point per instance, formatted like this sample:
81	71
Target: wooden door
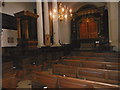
88	29
83	31
92	29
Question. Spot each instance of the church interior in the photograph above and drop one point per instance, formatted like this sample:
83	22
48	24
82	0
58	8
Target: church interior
60	45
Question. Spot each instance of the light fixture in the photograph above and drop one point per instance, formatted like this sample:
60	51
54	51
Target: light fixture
63	13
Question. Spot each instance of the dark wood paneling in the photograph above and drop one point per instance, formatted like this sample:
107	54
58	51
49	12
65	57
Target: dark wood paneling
20	55
9	22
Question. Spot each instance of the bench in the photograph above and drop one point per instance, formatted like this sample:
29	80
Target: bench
60	69
7	67
100	75
68	82
44	79
55	81
9	81
94	54
8	76
94	58
109	76
93	64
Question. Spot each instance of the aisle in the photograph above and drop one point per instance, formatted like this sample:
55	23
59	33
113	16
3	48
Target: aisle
24	84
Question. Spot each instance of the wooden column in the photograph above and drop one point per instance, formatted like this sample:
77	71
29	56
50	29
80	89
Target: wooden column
26	30
51	23
18	28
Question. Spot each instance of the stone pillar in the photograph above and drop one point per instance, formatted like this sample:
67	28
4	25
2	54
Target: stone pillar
113	25
40	24
55	25
46	23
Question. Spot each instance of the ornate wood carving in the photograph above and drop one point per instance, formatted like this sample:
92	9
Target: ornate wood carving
47	40
88	29
26	26
86	26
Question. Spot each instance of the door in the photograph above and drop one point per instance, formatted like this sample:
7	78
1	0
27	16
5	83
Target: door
88	29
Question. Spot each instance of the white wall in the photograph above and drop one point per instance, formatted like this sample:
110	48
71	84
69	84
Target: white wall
5	35
14	7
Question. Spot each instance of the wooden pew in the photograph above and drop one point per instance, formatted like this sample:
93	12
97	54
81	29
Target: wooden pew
93	64
55	81
94	58
96	54
9	82
85	58
101	75
64	70
67	82
8	76
44	79
7	68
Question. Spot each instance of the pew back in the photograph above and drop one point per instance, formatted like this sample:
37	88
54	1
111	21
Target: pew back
44	79
7	69
108	76
93	64
67	82
64	70
9	82
94	58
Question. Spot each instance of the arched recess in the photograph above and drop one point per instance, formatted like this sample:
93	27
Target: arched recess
89	27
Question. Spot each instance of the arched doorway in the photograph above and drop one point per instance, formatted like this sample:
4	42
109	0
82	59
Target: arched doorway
90	27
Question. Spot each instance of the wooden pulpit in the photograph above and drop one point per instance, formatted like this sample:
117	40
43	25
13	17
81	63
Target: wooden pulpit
27	28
